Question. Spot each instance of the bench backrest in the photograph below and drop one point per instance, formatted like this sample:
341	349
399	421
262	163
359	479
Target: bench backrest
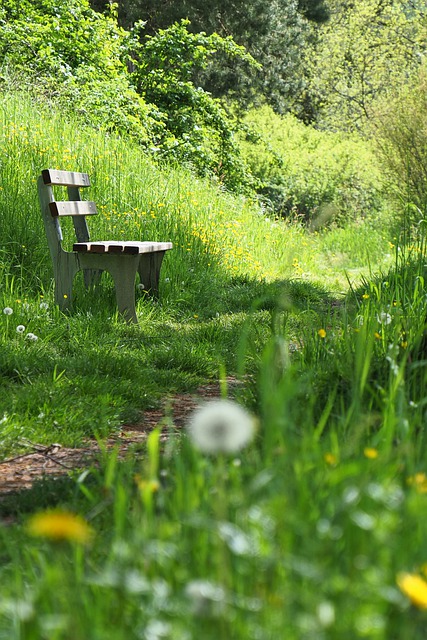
53	210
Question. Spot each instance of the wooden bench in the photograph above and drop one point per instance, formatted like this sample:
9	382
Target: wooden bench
123	260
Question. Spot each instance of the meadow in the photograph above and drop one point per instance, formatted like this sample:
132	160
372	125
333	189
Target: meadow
312	526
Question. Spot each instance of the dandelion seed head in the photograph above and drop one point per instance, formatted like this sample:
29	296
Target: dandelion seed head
157	629
7	311
221	426
384	318
32	337
326	614
20	328
44	306
206	597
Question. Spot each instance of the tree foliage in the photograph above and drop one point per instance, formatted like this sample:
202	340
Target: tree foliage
201	131
366	50
274	32
126	81
401	138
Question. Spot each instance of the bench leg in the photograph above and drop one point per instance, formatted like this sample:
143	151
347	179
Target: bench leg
65	269
124	281
91	277
149	271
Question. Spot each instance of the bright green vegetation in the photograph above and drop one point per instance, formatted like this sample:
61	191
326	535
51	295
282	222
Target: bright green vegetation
308	527
316	528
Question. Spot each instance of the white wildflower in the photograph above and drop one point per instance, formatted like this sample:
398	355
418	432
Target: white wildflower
20	328
326	614
44	306
32	337
221	426
207	598
157	629
384	318
7	311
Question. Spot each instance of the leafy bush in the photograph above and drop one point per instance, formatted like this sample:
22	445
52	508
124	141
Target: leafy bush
401	135
201	132
123	82
317	176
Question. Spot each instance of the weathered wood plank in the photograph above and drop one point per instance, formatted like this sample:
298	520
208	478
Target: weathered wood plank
65	178
76	208
127	247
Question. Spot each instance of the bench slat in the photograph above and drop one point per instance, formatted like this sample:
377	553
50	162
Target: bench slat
130	248
65	178
69	208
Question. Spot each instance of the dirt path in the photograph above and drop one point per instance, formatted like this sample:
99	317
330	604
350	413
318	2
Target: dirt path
19	473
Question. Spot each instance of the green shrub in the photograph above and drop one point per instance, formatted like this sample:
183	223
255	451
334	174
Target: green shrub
120	81
401	135
317	176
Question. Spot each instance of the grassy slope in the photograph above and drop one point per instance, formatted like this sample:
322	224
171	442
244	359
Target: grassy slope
302	534
227	258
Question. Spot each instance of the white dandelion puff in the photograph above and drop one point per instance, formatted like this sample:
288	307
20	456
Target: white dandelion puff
326	614
44	306
7	311
207	598
384	318
221	426
32	337
157	629
20	328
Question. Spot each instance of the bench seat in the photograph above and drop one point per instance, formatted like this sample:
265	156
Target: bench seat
112	246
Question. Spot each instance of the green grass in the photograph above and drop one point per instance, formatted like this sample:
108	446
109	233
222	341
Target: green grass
301	534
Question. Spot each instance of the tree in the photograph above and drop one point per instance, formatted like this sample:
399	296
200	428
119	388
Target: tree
199	130
367	49
127	82
274	32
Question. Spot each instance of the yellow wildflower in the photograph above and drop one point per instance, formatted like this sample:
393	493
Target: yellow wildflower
365	296
321	333
419	482
60	525
370	452
330	458
414	587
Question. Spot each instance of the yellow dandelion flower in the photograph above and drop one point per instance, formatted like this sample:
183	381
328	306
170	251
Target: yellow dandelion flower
377	335
414	587
321	333
330	459
60	525
365	296
147	486
418	481
370	452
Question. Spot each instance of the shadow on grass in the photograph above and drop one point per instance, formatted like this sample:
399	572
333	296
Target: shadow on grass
46	493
